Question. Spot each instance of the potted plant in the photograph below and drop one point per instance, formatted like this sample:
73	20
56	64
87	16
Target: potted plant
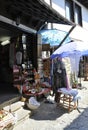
75	84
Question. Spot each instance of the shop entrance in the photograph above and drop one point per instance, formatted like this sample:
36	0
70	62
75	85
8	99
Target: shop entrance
6	72
8	36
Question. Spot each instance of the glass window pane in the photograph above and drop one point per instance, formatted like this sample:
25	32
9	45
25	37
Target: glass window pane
78	18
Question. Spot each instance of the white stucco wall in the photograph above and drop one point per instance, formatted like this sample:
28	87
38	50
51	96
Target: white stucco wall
59	6
85	17
47	1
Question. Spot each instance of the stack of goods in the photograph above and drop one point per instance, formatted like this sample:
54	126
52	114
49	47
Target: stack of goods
36	77
6	119
40	67
46	68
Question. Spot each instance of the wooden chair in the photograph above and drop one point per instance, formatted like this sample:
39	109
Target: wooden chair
65	100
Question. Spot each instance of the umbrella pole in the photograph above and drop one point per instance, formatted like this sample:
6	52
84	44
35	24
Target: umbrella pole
80	82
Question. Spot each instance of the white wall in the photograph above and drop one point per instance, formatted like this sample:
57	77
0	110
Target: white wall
59	6
47	1
85	17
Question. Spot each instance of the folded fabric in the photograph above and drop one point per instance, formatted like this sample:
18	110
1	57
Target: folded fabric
33	101
71	92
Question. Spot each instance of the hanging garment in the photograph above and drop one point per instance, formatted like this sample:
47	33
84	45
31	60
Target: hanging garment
59	75
19	57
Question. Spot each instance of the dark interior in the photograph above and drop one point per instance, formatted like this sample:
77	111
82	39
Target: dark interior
6	72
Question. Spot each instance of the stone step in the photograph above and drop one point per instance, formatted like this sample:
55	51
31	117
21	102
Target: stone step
14	106
21	115
10	101
19	111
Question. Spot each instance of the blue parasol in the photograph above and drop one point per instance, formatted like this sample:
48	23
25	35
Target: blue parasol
74	50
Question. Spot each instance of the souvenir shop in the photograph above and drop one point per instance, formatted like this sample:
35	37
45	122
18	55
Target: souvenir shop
23	47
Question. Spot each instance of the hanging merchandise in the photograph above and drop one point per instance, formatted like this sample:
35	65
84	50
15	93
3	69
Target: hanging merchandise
59	75
19	57
74	60
12	49
73	50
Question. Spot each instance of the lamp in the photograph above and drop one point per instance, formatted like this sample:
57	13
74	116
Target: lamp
5	42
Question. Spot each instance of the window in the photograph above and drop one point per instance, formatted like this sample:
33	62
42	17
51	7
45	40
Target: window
73	12
69	10
78	17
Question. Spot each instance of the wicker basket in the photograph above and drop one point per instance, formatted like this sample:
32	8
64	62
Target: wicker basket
33	104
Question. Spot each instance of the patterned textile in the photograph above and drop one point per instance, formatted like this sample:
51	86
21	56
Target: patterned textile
59	75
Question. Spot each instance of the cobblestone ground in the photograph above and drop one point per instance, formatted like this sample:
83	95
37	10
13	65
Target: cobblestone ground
50	117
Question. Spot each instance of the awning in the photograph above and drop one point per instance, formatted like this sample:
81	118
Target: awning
53	37
78	33
32	13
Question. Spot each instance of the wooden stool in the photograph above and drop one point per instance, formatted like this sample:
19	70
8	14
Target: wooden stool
65	100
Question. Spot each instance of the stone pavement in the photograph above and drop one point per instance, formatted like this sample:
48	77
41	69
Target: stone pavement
50	117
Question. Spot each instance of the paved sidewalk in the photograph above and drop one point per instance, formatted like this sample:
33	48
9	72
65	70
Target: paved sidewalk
49	117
